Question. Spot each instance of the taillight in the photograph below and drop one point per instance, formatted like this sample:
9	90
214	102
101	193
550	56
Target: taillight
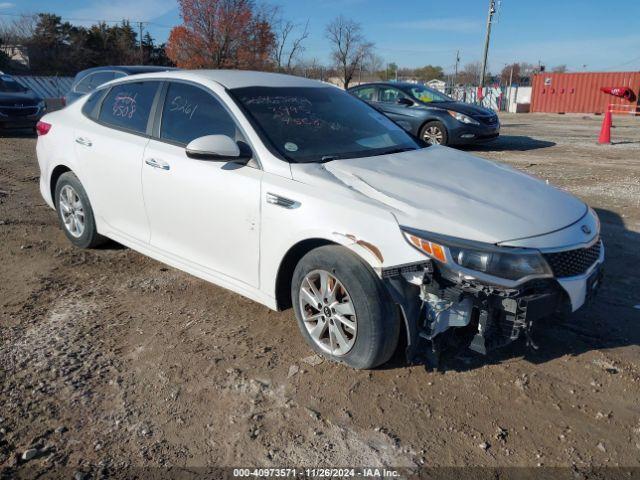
43	128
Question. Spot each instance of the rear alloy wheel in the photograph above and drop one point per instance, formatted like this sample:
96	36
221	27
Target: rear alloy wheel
434	133
71	211
75	212
343	310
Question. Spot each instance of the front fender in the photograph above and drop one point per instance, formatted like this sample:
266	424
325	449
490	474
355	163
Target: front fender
368	230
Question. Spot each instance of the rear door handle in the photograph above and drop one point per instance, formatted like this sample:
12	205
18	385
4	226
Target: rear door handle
83	141
152	162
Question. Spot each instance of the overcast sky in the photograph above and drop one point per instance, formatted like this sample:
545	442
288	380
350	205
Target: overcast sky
599	34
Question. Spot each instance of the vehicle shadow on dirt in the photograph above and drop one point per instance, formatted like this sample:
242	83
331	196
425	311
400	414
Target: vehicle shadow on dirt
26	133
609	322
519	143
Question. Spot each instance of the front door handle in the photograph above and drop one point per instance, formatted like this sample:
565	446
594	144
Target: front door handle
152	162
83	141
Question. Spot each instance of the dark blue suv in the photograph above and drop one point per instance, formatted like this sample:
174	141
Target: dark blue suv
430	115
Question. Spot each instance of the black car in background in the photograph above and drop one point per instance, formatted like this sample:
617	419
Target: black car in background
430	115
20	108
88	80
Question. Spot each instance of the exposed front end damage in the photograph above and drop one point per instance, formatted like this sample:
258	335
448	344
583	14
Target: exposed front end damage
445	313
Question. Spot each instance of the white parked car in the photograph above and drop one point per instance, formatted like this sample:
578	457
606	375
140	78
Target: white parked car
294	193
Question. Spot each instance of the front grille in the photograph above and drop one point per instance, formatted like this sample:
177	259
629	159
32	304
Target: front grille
19	111
573	262
488	119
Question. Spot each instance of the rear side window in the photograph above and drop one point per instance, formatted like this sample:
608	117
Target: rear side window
190	112
128	105
84	86
100	78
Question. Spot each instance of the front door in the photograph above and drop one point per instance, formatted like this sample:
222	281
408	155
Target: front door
390	102
201	211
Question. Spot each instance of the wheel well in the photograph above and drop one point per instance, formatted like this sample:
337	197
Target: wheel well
55	175
431	120
288	265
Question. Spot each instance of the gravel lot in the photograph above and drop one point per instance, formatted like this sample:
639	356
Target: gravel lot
111	361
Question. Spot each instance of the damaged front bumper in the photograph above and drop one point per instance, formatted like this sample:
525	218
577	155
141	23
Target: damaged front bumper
442	311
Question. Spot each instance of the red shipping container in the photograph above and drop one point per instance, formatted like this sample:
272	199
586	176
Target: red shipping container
580	92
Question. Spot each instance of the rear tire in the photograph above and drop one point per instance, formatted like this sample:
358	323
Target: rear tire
75	212
434	133
353	320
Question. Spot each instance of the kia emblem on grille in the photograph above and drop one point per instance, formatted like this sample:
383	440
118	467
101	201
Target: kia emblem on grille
586	229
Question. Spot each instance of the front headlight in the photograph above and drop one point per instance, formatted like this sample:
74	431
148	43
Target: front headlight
486	259
463	118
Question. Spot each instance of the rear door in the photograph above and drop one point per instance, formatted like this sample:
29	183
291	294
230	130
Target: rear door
204	212
110	147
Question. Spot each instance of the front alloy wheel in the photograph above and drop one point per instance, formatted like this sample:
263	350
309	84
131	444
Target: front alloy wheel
434	133
343	310
328	313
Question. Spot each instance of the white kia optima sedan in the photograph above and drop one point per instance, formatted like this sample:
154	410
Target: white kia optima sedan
292	192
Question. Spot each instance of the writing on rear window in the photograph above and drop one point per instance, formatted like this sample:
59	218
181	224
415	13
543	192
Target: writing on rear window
124	105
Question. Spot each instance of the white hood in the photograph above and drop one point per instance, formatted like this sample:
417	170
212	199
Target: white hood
453	193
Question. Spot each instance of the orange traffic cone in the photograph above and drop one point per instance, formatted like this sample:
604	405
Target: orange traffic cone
605	130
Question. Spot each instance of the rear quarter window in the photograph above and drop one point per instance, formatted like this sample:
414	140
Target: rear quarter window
89	108
127	106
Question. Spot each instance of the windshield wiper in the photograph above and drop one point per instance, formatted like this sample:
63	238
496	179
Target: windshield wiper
328	158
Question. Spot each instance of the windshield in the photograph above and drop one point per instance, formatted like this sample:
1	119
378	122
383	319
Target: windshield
316	124
429	95
8	84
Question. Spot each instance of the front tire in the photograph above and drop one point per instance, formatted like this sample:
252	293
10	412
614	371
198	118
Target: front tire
434	133
75	212
342	308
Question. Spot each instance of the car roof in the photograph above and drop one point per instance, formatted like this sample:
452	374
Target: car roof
128	69
388	84
240	78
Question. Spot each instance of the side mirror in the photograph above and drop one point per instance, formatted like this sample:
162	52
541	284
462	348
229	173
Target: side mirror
218	148
407	102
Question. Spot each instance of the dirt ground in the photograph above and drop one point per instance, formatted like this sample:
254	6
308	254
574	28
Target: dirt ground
110	360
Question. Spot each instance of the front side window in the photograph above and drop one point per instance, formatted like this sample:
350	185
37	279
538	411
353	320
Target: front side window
190	112
366	93
316	124
128	105
391	95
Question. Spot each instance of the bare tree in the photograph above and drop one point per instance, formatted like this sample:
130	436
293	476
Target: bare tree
18	30
470	74
349	47
287	47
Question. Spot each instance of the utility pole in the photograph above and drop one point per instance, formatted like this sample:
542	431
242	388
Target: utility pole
492	11
141	52
455	74
510	86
